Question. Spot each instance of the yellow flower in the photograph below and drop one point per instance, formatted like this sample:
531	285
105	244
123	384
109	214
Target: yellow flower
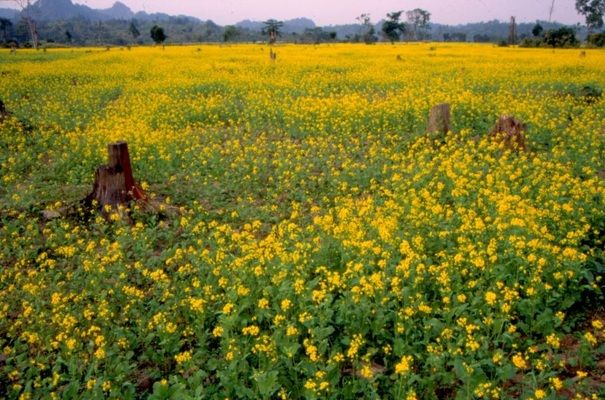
286	304
490	298
556	383
553	340
366	371
589	337
217	331
404	365
183	357
251	330
519	361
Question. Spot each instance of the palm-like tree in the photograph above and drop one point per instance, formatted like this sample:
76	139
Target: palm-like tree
272	28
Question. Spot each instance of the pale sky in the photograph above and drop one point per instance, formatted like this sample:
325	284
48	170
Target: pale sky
326	12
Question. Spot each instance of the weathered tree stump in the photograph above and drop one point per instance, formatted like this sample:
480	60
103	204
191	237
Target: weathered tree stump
510	132
114	183
4	113
439	119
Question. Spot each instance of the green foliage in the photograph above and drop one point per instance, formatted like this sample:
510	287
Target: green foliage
562	37
134	30
317	35
393	28
593	11
537	30
231	33
596	39
157	34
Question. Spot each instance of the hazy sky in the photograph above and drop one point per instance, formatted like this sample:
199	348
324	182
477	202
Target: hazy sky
326	12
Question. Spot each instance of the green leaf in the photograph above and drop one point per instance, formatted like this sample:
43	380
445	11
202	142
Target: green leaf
267	383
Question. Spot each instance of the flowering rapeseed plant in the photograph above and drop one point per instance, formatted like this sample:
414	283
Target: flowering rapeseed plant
325	248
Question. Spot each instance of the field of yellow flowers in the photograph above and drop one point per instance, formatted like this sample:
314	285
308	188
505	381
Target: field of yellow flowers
324	246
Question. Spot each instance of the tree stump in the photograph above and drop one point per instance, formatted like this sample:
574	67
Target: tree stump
439	119
4	113
114	183
510	132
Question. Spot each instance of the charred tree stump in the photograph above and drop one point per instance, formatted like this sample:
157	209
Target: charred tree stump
439	120
114	183
510	132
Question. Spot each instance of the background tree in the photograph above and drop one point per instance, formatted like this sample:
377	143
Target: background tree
231	33
133	29
596	39
562	37
418	19
272	29
68	36
367	29
537	30
157	34
393	28
593	11
25	7
5	27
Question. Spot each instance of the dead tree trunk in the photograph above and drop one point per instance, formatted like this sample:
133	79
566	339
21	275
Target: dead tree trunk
114	183
439	119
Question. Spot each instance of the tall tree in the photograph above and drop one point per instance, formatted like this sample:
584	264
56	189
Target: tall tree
272	29
231	33
5	26
593	11
25	8
157	34
393	27
134	30
419	21
367	29
537	30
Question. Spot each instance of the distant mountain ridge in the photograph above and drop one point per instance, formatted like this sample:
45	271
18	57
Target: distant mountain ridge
62	21
61	10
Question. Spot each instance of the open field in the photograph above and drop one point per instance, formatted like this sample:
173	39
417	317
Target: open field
319	244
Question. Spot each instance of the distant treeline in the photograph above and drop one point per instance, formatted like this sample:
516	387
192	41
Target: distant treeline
82	31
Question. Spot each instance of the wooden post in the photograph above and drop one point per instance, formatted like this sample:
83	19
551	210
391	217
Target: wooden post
439	119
